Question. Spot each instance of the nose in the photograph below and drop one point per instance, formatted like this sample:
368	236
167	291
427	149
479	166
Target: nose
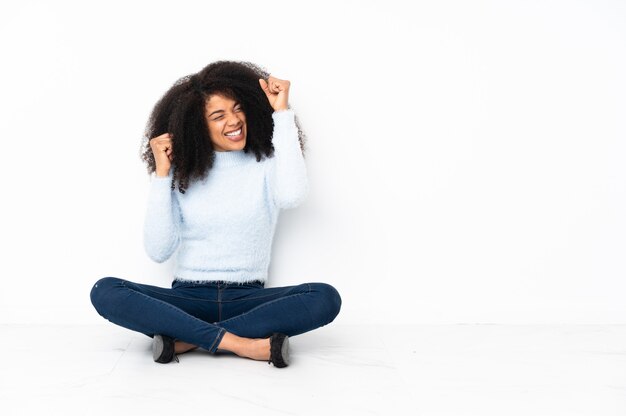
233	119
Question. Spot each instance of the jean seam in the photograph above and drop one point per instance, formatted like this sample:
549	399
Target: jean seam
174	296
193	318
219	336
219	303
265	304
259	297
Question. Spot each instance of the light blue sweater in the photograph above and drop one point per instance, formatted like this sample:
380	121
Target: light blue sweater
224	224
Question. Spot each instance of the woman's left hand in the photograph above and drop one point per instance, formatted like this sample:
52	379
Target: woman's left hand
277	91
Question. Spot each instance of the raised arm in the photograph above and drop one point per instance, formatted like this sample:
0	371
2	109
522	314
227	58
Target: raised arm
288	171
288	177
161	231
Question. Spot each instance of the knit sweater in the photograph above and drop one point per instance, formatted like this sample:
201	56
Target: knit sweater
224	224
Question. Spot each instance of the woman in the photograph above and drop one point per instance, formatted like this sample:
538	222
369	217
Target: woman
226	155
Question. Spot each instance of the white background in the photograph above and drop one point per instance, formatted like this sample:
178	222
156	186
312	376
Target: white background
465	158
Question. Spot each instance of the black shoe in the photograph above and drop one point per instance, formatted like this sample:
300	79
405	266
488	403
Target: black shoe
279	350
163	349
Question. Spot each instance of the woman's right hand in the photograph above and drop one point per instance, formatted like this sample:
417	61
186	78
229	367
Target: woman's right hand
162	150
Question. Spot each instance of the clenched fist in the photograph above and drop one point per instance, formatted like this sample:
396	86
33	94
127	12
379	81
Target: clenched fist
162	150
277	92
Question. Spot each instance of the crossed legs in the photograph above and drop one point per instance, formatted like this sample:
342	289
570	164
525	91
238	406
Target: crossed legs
236	318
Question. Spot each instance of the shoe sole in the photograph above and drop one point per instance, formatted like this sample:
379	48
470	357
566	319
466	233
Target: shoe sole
284	350
157	347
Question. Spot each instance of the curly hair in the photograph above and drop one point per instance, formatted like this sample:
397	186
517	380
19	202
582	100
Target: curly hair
181	113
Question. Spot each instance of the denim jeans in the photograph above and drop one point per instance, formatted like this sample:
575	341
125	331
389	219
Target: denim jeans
201	313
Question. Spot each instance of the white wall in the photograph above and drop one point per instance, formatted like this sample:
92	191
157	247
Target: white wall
466	159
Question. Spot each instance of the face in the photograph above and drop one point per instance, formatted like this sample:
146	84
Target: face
227	123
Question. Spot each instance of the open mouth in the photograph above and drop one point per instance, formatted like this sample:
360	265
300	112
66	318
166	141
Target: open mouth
236	135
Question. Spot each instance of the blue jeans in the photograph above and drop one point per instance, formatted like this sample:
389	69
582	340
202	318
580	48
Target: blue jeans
201	313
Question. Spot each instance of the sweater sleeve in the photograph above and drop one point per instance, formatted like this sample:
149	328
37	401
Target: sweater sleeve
288	175
161	234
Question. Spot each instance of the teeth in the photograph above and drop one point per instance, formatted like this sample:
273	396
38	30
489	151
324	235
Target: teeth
234	133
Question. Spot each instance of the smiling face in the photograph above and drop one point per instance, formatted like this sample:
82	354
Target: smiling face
226	122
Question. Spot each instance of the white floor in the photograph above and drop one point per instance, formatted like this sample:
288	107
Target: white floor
336	370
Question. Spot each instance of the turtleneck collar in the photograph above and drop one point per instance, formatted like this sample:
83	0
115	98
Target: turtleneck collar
231	158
